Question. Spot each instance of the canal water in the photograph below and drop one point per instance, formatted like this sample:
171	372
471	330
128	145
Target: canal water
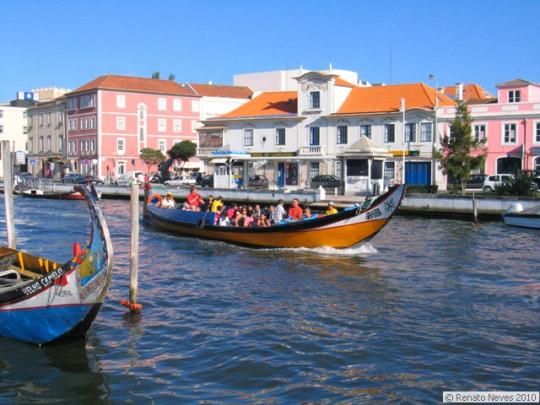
429	305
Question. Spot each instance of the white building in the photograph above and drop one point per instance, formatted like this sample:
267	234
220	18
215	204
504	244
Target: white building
327	125
13	128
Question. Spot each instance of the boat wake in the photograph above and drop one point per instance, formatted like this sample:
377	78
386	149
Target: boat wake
365	249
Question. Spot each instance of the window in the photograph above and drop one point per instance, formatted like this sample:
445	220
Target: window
72	124
195	105
314	169
314	136
537	164
338	169
509	135
92	145
177	104
81	123
389	170
248	137
410	132
365	130
480	132
30	145
389	133
357	167
48	143
120	146
72	103
162	124
537	133
162	104
425	132
120	167
514	96
93	122
120	101
141	134
41	144
341	135
177	125
314	100
49	119
280	136
121	123
61	143
59	117
40	120
87	101
162	145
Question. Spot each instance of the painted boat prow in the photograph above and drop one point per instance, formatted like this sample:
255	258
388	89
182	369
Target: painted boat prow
61	302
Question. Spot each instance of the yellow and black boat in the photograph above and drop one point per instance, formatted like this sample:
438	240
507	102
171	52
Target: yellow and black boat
347	228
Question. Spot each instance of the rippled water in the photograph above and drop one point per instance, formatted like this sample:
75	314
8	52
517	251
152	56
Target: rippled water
429	305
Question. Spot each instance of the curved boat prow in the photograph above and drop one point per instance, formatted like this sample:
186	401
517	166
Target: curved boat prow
42	302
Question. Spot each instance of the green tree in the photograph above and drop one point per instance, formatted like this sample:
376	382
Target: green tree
183	151
460	153
155	75
151	157
172	77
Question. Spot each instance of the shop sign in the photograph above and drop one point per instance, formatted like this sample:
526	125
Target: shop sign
273	154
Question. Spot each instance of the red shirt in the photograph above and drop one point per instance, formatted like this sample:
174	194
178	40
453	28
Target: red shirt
194	199
295	213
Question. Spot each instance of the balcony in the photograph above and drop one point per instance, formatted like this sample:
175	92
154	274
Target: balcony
205	152
312	151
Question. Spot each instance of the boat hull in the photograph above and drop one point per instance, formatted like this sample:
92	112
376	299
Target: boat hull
522	220
338	231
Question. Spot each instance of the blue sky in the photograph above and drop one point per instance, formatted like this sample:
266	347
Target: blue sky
68	43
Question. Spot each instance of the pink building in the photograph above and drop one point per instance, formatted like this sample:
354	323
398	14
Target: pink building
511	125
112	118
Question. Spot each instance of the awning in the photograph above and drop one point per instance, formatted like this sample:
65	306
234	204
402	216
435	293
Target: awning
218	160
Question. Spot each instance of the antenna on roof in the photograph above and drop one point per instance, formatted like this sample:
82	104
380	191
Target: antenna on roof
330	67
301	69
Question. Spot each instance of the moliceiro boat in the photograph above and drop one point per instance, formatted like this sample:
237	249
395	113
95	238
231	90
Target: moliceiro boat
347	228
42	301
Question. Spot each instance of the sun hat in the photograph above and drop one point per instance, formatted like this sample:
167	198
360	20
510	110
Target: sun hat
331	203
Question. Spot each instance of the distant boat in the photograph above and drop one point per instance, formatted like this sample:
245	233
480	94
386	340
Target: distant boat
49	194
347	228
517	216
42	301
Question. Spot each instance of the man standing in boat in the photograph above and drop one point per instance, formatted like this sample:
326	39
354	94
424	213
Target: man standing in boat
295	212
194	199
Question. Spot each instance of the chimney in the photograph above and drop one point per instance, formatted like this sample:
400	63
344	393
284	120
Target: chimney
459	91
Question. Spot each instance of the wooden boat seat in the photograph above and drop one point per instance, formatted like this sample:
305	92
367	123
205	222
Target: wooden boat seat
26	273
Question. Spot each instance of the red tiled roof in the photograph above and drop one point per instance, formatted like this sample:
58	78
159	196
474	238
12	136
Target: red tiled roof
471	91
140	84
267	104
218	90
379	99
343	83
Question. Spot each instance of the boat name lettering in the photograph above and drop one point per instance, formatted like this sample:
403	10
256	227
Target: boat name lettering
374	214
43	282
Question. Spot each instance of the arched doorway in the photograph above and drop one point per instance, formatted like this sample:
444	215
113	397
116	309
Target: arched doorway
508	165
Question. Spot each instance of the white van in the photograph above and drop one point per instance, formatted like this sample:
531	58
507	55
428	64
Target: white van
123	180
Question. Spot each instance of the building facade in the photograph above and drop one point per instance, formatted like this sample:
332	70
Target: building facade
328	126
509	124
14	128
112	118
47	134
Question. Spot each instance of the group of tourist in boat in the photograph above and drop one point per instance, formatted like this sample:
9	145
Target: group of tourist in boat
241	215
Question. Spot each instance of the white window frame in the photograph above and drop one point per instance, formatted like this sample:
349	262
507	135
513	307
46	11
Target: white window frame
367	127
122	150
413	126
123	164
162	124
480	124
92	145
311	135
162	104
177	125
93	122
245	138
276	139
162	145
338	137
536	132
430	132
177	104
385	133
503	131
120	101
120	123
513	95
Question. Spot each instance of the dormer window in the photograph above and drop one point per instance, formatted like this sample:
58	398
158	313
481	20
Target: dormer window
315	100
514	96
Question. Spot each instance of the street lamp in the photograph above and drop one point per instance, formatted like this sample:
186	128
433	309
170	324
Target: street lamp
436	131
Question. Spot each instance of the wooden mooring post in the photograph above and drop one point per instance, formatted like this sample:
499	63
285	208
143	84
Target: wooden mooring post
475	210
8	194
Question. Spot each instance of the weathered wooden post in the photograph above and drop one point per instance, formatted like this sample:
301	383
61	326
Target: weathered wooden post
8	194
475	210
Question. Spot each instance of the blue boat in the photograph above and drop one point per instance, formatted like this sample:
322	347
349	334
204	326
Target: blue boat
42	301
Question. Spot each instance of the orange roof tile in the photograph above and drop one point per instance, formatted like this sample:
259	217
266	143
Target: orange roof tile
140	84
219	90
379	99
267	104
471	91
343	83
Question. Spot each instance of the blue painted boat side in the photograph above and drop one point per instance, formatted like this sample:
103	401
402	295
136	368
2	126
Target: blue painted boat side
42	325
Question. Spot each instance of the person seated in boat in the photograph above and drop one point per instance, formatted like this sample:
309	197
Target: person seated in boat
167	202
280	212
263	221
217	204
224	219
231	211
238	216
270	214
308	214
257	211
331	210
295	212
248	218
194	199
208	204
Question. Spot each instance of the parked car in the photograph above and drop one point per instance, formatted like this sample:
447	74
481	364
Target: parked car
92	179
496	180
156	178
179	181
476	181
123	179
325	180
73	178
258	181
197	177
207	181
